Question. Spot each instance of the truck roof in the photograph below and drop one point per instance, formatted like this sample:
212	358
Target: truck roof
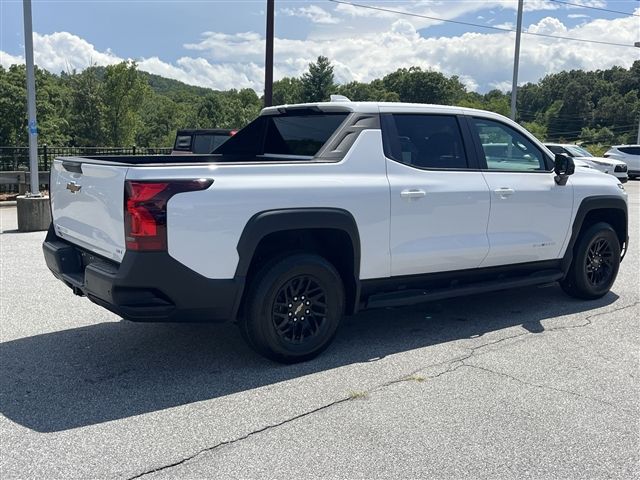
378	107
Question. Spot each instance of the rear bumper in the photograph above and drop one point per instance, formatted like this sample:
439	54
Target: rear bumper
146	286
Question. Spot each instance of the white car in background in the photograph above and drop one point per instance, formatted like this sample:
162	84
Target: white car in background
629	154
612	166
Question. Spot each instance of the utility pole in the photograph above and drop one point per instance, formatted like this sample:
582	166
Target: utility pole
637	45
268	61
516	61
31	101
32	209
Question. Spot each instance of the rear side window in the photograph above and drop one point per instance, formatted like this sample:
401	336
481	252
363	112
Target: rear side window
183	143
424	141
300	134
630	150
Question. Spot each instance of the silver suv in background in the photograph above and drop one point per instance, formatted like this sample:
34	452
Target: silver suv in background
629	154
583	157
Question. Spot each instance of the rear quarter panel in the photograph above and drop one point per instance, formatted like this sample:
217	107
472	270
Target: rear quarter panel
204	227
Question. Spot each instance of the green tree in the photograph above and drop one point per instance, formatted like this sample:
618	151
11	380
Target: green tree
318	83
124	92
287	91
160	119
13	109
419	86
209	112
87	109
538	129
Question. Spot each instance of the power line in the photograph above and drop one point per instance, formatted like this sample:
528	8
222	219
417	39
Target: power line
470	24
595	8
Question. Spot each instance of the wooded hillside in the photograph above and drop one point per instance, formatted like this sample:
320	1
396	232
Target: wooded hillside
119	105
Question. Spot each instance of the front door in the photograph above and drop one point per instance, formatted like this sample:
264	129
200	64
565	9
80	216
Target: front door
439	205
530	213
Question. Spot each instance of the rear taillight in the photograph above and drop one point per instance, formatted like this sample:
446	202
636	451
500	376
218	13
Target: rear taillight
145	211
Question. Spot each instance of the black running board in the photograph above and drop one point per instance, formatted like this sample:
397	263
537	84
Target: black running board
415	296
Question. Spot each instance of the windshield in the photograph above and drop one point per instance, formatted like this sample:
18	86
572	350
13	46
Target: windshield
577	151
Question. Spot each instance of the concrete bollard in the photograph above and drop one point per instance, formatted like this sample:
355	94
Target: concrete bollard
34	214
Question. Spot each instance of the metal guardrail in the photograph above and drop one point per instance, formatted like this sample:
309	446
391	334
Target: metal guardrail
17	158
14	161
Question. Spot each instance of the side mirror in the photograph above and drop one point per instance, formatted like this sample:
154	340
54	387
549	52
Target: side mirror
563	166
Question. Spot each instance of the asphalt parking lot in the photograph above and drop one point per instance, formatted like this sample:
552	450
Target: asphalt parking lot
520	384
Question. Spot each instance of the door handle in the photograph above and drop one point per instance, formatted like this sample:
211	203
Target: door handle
413	193
504	192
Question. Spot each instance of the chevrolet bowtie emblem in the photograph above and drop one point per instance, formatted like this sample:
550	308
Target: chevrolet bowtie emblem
73	187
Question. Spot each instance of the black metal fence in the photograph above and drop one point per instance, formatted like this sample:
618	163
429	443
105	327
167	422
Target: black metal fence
17	158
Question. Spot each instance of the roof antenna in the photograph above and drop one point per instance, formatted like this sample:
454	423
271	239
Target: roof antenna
339	98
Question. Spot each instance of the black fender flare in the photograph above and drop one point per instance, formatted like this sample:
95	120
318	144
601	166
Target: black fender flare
279	220
589	204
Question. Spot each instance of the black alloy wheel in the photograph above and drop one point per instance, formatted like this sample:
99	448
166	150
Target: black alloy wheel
595	264
293	307
599	262
299	309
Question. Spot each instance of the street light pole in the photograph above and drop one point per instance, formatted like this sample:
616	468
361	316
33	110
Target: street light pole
31	100
516	61
268	61
637	44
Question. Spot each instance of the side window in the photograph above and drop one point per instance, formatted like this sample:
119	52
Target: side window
299	134
630	150
507	149
302	135
424	141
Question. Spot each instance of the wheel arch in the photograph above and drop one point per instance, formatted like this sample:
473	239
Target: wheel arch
331	232
602	208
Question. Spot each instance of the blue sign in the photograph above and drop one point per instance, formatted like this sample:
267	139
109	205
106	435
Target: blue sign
33	128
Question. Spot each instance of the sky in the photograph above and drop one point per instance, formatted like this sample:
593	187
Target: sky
220	44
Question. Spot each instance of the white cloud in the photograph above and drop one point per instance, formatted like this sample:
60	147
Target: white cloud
578	15
481	60
63	51
7	59
312	12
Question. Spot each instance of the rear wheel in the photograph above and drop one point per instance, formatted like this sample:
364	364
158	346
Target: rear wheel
595	264
294	306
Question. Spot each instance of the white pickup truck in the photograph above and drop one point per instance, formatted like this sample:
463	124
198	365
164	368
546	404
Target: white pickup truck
317	211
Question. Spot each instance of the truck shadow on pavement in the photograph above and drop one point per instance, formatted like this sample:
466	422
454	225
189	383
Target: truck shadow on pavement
114	370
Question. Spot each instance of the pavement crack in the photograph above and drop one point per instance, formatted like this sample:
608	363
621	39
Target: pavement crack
461	361
588	318
452	365
239	439
542	386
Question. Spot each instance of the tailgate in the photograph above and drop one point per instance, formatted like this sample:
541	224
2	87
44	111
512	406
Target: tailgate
87	205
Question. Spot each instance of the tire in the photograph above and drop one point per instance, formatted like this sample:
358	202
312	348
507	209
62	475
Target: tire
294	307
595	263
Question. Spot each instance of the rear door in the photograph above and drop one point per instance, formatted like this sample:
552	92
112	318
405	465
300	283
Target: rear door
439	199
87	205
530	213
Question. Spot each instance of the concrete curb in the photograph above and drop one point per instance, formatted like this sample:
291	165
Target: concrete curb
10	203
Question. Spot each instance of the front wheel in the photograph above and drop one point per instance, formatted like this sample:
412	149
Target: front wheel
595	264
294	306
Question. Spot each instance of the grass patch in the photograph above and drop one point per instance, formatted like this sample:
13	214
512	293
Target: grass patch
358	395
